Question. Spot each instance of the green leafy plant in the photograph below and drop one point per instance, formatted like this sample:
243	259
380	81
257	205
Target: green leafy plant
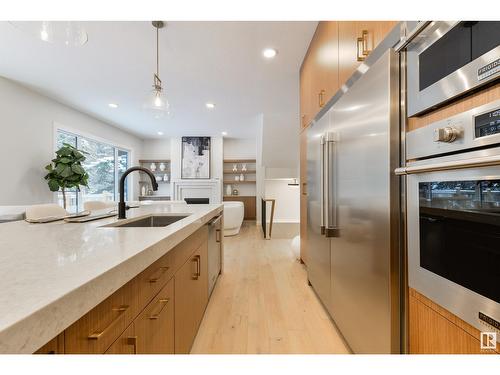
66	171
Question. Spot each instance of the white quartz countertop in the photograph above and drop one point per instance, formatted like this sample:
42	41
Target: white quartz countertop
52	274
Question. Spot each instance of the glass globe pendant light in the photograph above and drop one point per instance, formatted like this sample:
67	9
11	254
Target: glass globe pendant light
156	101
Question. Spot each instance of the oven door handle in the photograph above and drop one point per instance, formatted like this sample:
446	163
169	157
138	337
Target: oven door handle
486	161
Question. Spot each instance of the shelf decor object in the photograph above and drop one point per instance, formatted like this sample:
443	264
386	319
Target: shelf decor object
244	167
235	167
195	158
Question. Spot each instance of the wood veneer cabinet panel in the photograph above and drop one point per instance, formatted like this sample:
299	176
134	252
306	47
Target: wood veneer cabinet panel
125	344
458	106
191	297
152	279
349	32
154	327
303	197
325	61
100	327
434	330
54	346
305	92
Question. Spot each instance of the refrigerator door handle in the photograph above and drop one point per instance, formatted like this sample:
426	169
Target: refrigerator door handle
331	229
322	184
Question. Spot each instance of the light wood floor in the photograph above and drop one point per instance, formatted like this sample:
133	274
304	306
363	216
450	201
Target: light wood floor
263	304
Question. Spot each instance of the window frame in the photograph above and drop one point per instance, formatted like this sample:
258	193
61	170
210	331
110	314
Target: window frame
57	127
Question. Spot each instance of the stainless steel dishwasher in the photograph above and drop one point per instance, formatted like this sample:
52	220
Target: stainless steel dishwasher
214	251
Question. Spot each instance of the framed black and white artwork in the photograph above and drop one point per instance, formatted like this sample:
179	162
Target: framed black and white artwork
195	160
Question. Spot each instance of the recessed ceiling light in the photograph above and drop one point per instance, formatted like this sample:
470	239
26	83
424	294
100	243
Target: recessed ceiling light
269	53
113	105
160	133
224	133
210	105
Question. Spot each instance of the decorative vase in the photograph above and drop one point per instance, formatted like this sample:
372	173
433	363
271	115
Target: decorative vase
235	191
244	168
143	190
236	178
235	167
152	167
228	190
165	177
242	177
162	167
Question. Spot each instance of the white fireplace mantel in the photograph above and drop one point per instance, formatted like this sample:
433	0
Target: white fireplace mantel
211	189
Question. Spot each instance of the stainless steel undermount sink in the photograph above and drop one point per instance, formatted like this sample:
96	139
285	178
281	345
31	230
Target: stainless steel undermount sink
148	221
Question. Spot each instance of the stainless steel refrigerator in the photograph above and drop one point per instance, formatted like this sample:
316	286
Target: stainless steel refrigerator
353	209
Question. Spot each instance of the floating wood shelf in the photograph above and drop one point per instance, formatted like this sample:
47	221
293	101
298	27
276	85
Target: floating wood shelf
236	161
231	182
240	172
154	161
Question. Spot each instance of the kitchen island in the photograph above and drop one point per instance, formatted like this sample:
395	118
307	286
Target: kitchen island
55	276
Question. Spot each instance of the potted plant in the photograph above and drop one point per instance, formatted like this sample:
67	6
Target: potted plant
66	171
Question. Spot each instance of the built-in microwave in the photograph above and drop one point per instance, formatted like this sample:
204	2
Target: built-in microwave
448	58
453	214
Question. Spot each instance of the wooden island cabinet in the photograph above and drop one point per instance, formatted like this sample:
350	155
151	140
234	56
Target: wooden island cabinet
157	312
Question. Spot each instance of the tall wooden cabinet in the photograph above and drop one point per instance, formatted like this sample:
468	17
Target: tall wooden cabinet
335	52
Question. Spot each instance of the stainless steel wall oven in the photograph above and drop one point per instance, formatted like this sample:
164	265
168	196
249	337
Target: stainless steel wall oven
453	213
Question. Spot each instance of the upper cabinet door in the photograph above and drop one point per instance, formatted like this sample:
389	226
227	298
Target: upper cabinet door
356	41
325	57
319	71
305	93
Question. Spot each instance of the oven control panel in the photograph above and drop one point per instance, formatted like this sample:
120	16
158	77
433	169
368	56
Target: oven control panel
463	132
487	123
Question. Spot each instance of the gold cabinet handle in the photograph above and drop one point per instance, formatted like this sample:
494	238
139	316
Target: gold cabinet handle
362	46
321	98
132	340
163	302
195	260
162	272
98	334
217	235
198	265
304	188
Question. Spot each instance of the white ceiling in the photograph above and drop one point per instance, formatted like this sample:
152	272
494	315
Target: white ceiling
200	62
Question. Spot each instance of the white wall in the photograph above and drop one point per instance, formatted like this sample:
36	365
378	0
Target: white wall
280	141
240	148
27	141
287	206
155	149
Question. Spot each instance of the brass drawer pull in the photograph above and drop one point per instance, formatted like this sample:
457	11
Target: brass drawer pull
217	235
98	334
163	270
198	265
321	98
195	260
164	302
132	340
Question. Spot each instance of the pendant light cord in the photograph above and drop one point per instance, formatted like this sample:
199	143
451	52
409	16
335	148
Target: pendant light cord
157	55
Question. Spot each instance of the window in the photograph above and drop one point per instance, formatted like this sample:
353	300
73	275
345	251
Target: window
105	165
